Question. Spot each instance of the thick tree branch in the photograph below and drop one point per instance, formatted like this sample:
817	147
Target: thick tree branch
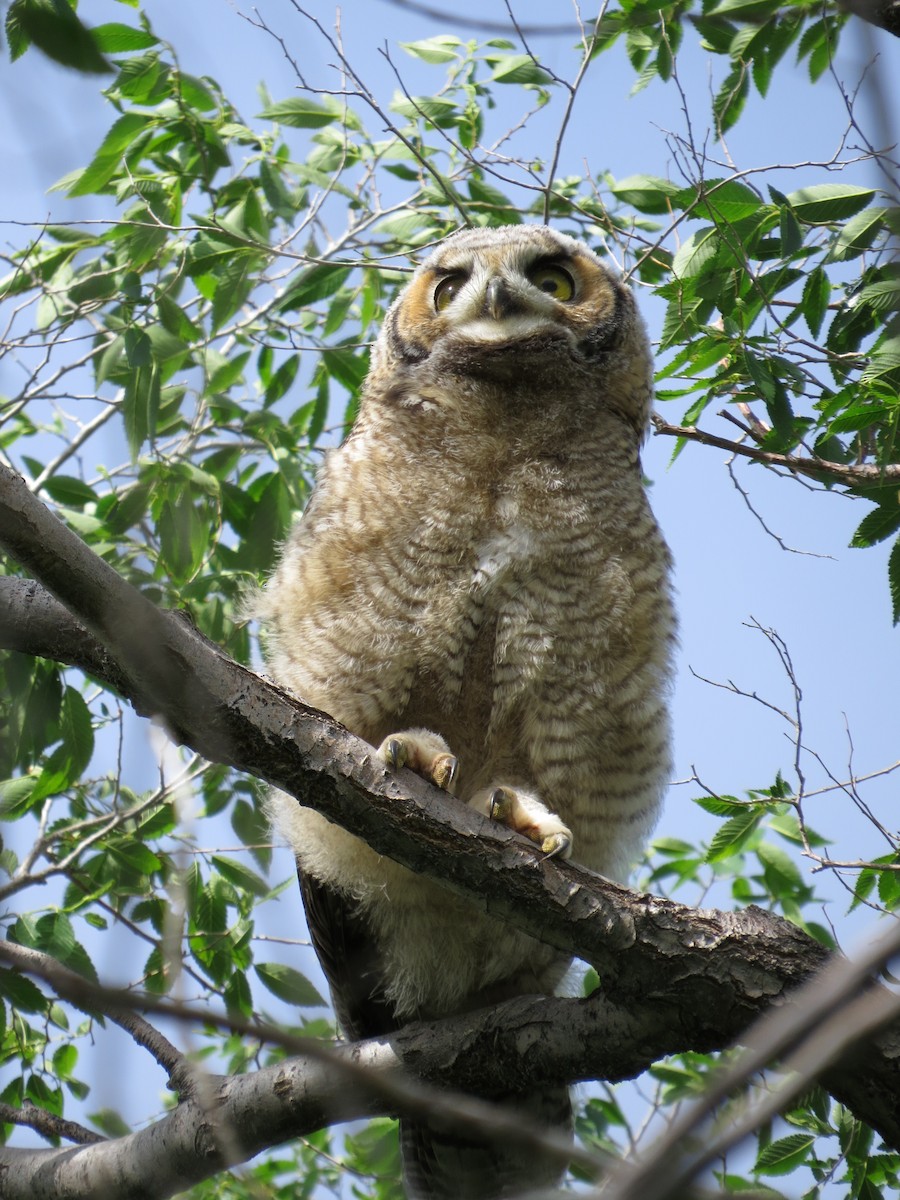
885	14
711	973
533	1040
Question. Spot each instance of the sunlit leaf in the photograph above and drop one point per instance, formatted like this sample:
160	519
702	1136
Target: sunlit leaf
829	201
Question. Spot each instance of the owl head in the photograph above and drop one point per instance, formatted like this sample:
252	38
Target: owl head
519	308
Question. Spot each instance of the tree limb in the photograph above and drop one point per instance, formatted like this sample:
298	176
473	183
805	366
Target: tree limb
709	972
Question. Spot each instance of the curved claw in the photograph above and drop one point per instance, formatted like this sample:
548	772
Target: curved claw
394	752
557	845
500	805
444	771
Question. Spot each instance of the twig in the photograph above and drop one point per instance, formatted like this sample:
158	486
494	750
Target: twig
858	475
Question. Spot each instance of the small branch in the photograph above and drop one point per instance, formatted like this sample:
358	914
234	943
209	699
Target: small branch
48	1125
70	985
857	475
774	536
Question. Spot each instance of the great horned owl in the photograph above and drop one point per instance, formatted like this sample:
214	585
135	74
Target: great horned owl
478	588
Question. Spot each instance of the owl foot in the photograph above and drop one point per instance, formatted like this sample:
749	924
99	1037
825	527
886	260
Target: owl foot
526	815
424	752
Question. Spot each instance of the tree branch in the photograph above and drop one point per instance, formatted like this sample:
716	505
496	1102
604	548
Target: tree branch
711	973
70	985
857	475
48	1125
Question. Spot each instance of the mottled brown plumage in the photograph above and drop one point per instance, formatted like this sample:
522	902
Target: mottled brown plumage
478	587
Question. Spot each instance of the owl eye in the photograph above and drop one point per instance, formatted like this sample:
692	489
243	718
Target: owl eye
447	290
554	281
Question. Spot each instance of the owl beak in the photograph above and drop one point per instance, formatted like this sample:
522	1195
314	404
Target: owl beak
499	300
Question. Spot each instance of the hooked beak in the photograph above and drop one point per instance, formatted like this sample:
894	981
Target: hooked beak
499	300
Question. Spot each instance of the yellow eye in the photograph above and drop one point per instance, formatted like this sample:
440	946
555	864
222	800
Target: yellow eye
446	290
554	281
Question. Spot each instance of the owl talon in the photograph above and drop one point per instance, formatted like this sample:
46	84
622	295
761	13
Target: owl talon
557	845
424	752
501	805
393	751
526	814
444	771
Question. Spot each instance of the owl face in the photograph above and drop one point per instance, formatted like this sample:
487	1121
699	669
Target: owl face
487	299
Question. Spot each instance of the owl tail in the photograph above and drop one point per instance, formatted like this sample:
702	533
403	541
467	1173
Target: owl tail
439	1164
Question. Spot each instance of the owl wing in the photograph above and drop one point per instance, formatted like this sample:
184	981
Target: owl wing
348	955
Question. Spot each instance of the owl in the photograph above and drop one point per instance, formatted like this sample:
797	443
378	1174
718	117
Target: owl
479	589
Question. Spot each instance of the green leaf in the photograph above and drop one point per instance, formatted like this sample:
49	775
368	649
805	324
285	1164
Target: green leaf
696	254
519	68
241	876
115	38
301	113
443	48
889	887
110	1123
54	28
727	201
347	366
828	202
499	208
780	863
857	235
283	379
17	796
884	359
135	857
861	417
882	296
22	993
721	806
894	580
64	1061
790	231
238	997
731	837
108	158
437	109
53	934
647	193
288	985
226	374
877	525
746	9
816	297
77	731
785	1155
728	104
140	406
312	284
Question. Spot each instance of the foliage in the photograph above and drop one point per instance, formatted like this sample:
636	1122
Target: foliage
216	333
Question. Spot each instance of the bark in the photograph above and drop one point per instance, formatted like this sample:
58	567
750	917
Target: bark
674	978
883	13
